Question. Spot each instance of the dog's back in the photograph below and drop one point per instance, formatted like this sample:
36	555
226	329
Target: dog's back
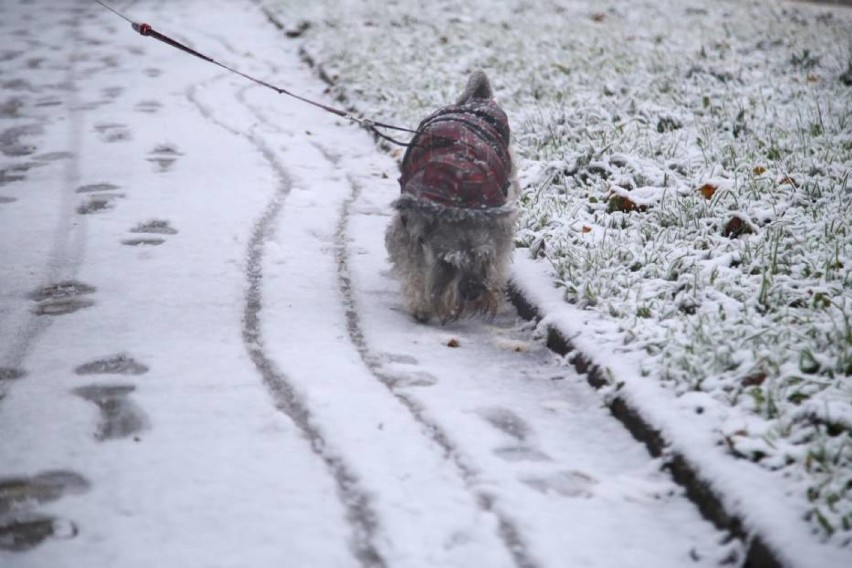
460	154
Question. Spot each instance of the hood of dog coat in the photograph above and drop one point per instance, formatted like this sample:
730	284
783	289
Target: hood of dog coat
459	157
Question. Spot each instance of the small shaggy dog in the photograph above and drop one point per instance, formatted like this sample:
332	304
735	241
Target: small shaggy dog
451	238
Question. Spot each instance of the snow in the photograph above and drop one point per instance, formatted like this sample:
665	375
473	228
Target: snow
254	394
726	127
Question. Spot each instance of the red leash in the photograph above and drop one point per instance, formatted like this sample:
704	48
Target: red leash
148	31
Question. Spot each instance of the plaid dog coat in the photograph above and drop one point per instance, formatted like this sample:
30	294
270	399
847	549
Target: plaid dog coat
459	157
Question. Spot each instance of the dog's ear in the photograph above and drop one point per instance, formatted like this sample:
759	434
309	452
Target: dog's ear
478	87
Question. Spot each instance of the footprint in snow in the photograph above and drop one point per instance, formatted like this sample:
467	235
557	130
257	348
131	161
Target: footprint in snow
15	173
507	422
10	108
24	531
415	379
153	227
120	364
113	132
54	156
112	92
120	417
20	528
564	483
143	242
18	85
96	187
148	106
62	298
45	101
22	492
10	140
98	203
11	374
521	454
164	156
401	359
10	55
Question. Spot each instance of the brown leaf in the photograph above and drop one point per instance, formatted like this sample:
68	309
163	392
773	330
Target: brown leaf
736	227
453	343
598	17
759	170
621	203
787	180
707	190
587	229
755	379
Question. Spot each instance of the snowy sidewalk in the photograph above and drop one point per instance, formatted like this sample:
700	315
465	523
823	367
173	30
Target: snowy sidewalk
203	358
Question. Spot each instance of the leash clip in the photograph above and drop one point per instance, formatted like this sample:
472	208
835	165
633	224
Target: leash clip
143	29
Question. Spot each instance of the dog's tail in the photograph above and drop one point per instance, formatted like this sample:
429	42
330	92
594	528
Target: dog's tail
478	87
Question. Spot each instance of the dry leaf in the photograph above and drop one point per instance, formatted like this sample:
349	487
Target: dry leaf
736	227
598	17
453	343
759	170
754	379
620	203
707	190
587	229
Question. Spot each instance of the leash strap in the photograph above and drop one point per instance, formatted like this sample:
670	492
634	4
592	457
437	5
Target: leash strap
147	30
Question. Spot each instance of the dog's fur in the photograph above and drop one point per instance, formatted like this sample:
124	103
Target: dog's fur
453	261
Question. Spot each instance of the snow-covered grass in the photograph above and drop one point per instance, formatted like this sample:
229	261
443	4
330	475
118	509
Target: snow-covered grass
685	170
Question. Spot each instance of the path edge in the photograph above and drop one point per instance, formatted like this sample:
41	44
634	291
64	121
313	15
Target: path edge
699	490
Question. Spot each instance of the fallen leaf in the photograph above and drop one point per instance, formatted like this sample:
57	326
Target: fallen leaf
598	17
754	379
787	180
587	229
736	227
453	343
707	190
759	170
621	203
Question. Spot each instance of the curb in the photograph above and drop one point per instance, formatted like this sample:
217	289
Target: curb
698	490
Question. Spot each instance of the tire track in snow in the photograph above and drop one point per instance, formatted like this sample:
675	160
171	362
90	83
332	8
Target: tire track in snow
68	238
359	512
508	529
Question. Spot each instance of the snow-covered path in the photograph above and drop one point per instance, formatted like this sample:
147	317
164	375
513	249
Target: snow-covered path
203	358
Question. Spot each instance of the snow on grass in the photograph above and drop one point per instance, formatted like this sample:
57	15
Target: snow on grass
685	170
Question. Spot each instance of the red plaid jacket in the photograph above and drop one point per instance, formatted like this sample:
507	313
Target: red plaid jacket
460	157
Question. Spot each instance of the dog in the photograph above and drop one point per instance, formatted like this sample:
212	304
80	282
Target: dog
451	237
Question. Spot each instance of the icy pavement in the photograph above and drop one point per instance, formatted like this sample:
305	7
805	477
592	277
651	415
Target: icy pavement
204	360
